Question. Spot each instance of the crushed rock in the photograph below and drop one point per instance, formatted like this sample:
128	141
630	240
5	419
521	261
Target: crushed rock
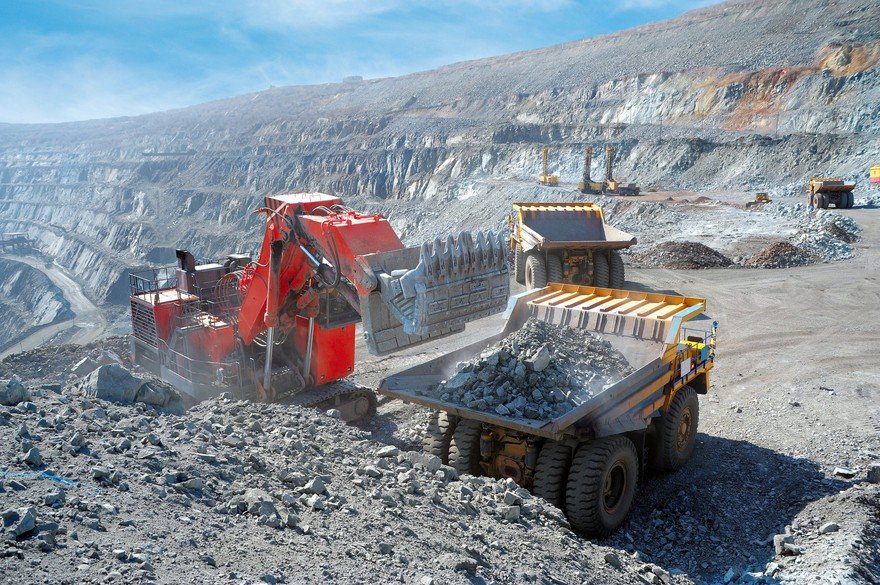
127	493
680	255
824	233
58	364
781	255
869	201
540	371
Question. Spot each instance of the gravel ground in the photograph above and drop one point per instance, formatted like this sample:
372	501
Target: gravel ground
540	371
97	492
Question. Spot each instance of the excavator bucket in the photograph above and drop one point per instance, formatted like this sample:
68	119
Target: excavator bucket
432	290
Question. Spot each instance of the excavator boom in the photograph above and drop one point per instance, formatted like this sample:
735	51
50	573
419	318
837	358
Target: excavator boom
289	327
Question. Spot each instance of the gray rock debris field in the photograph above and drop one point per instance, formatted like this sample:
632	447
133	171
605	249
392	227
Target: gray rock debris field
824	233
95	491
540	371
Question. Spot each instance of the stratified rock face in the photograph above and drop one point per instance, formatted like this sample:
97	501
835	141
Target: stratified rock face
28	300
731	96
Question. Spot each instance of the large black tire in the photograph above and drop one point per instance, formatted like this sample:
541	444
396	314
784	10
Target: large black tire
850	200
601	270
438	437
464	450
601	485
551	472
519	264
554	268
536	272
617	276
823	201
814	200
676	431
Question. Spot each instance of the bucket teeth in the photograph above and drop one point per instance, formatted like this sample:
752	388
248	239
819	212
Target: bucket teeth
461	256
457	279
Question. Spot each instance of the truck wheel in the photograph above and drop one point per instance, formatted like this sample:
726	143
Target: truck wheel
850	200
554	268
536	272
617	272
814	200
601	485
551	472
601	270
464	450
519	264
823	201
677	431
441	426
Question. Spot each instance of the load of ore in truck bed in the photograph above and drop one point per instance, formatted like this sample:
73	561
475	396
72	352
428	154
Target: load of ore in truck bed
538	372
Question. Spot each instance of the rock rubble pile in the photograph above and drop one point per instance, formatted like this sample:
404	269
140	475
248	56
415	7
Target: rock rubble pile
781	255
96	491
540	371
686	255
824	233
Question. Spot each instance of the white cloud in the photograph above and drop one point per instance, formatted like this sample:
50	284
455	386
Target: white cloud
300	14
87	88
303	14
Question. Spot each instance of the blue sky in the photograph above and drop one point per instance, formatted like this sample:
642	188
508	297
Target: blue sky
64	60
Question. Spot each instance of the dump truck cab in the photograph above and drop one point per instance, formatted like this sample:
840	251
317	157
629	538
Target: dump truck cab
566	242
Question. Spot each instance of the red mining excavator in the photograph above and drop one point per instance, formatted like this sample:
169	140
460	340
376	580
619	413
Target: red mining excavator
283	327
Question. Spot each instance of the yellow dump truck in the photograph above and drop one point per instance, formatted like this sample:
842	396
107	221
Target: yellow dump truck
874	175
566	242
824	191
587	460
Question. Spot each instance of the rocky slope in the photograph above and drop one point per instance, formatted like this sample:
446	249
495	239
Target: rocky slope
745	94
28	300
99	491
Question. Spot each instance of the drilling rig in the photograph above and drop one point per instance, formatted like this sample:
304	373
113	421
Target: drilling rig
587	185
282	327
546	178
613	187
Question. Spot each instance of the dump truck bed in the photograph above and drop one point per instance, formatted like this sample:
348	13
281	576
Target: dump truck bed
573	226
832	185
647	328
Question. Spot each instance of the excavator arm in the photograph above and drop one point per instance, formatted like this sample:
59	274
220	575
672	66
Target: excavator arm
404	296
284	326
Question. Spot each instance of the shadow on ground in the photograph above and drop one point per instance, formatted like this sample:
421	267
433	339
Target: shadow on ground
722	509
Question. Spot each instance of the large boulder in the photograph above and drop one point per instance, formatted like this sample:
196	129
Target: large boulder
12	391
114	383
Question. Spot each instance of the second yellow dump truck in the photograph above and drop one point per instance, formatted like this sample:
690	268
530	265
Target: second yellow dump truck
824	191
566	242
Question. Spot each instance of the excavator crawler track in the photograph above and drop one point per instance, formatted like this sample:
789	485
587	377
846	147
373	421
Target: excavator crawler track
353	402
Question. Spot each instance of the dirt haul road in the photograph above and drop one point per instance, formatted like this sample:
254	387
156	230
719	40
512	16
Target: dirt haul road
89	321
795	395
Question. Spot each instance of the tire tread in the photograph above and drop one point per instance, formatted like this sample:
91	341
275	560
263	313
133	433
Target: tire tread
551	472
583	487
464	449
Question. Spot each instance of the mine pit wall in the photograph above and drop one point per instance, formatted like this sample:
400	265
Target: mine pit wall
99	231
100	197
28	301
